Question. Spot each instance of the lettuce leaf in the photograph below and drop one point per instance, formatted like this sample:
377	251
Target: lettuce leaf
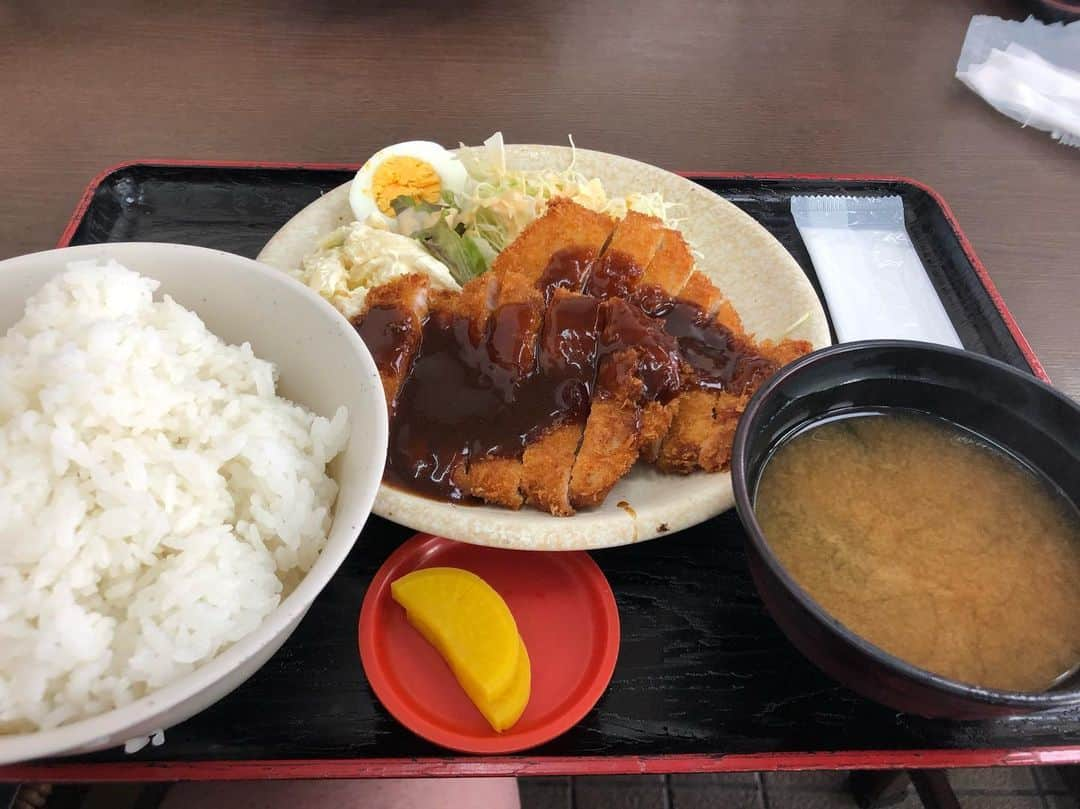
458	252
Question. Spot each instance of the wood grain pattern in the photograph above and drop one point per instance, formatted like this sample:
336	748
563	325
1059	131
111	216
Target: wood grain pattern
832	86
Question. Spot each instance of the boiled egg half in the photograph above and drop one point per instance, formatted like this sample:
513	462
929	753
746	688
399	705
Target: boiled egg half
417	168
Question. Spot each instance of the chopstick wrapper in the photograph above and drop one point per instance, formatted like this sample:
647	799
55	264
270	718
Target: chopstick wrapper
1027	70
874	283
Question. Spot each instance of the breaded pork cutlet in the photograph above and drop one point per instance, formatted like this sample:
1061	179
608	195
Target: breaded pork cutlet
477	301
612	436
546	468
670	266
547	460
391	326
565	225
728	406
633	244
514	330
691	425
567	358
609	446
667	273
703	428
511	334
588	345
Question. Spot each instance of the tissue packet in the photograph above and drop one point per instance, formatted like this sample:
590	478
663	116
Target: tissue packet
1057	42
1028	71
874	283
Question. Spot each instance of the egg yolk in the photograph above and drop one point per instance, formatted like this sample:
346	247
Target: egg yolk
404	177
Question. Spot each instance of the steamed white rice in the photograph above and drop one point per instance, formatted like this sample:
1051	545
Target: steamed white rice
157	499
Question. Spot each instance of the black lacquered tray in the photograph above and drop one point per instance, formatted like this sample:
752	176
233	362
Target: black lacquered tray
705	681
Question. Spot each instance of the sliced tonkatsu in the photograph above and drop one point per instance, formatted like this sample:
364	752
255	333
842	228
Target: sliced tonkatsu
493	468
664	277
691	423
589	345
670	266
565	227
391	326
723	366
638	364
612	436
609	443
633	244
553	254
566	375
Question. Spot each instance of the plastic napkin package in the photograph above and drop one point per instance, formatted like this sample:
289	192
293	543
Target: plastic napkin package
1027	70
874	282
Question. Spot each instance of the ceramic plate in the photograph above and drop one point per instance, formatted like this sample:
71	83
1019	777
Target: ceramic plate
768	288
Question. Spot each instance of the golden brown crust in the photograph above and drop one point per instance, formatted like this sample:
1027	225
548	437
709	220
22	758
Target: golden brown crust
785	351
445	300
656	420
565	224
716	448
512	343
493	480
546	467
670	267
514	326
608	450
405	290
680	451
477	301
637	236
728	317
700	291
612	433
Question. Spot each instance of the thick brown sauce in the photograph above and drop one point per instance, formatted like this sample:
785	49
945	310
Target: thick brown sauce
466	399
567	269
386	331
719	359
613	276
626	326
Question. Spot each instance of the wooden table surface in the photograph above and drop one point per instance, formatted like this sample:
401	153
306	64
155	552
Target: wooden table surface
825	86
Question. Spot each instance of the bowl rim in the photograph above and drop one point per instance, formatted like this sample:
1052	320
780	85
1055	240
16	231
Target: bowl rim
756	536
97	730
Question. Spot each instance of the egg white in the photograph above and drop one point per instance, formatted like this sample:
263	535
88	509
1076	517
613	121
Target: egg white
452	175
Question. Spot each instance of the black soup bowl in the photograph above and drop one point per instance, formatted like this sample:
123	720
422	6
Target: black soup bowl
1031	420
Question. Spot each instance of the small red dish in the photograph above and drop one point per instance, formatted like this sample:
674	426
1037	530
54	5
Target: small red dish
566	614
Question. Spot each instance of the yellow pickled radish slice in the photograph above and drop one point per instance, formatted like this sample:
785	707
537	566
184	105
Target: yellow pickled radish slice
470	625
507	709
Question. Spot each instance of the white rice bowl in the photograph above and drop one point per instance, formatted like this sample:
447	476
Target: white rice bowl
158	501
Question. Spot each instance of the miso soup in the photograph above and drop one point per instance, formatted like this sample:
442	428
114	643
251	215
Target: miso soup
931	544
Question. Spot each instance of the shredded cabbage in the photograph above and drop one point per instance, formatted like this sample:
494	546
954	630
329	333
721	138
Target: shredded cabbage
498	203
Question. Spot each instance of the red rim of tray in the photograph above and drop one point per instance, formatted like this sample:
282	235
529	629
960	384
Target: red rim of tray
567	616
